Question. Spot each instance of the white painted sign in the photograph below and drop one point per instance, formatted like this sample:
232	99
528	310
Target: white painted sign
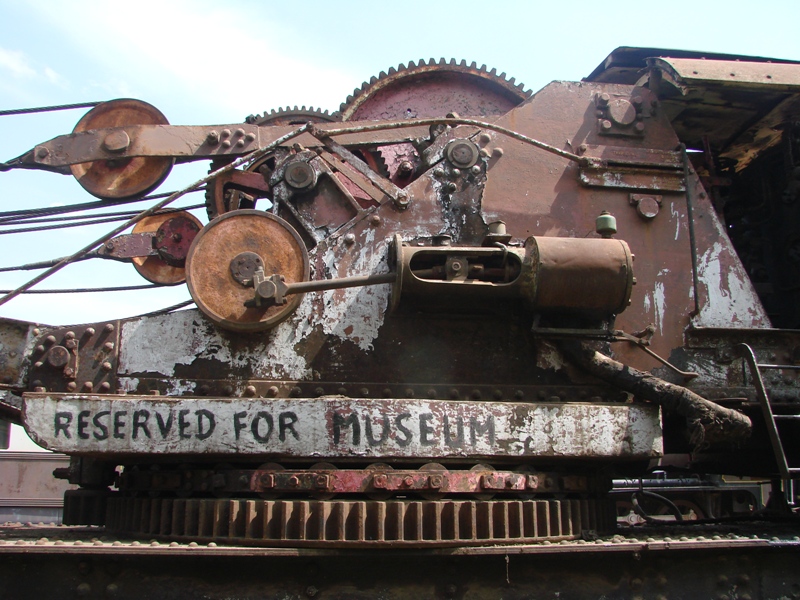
339	427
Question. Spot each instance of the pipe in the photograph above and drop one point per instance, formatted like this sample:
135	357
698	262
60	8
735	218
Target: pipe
708	423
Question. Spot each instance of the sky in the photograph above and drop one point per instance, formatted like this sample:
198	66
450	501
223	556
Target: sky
211	62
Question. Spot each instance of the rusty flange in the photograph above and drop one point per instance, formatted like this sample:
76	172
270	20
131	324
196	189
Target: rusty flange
208	268
123	177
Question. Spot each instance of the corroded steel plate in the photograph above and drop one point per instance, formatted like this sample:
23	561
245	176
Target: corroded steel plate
125	177
338	426
212	284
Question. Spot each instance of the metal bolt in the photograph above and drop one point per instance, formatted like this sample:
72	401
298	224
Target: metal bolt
42	152
380	481
39	348
639	127
266	480
71	344
605	124
322	481
451	187
582	149
294	481
408	481
116	141
476	394
436	481
69	372
212	139
603	99
438	172
532	482
519	394
456	172
311	591
475	170
405	168
349	239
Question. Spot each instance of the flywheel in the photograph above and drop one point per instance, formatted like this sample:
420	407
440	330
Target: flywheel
224	258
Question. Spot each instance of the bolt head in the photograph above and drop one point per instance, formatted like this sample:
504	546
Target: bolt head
349	239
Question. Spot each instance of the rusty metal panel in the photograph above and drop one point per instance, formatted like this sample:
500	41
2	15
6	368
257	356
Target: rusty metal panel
340	427
693	72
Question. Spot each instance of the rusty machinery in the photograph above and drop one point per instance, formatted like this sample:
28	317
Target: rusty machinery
418	322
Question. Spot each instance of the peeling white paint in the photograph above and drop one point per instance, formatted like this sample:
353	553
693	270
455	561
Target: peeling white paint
356	314
660	301
731	301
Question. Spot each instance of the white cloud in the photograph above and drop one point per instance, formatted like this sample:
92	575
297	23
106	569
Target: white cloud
16	63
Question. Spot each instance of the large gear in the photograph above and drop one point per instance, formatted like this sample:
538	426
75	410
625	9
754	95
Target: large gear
428	90
433	89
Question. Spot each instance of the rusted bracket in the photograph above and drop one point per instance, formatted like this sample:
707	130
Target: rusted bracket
399	196
642	343
125	247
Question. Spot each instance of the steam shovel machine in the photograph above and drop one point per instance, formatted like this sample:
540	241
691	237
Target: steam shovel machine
419	335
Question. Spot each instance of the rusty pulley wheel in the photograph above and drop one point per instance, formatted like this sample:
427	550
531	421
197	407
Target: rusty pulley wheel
123	177
167	269
216	283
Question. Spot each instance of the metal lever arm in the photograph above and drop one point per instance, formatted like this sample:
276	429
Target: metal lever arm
274	289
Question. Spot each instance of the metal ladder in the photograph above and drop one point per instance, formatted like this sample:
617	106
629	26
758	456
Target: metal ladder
771	419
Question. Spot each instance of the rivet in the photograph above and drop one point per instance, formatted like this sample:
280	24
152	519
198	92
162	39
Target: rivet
387	392
475	169
456	172
108	346
50	339
250	391
319	391
295	392
497	152
454	393
294	481
484	138
109	327
272	391
349	239
70	335
83	589
88	386
72	386
38	364
375	220
431	393
250	137
519	394
497	394
438	172
89	331
226	144
228	390
239	131
476	394
311	591
342	391
105	386
106	366
42	152
484	153
451	187
639	126
36	331
225	133
240	142
409	393
364	392
605	124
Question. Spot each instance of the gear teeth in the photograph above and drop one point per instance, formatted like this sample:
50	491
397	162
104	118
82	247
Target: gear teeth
473	65
431	62
442	61
493	72
412	64
503	75
382	75
401	67
373	80
511	81
463	63
392	70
